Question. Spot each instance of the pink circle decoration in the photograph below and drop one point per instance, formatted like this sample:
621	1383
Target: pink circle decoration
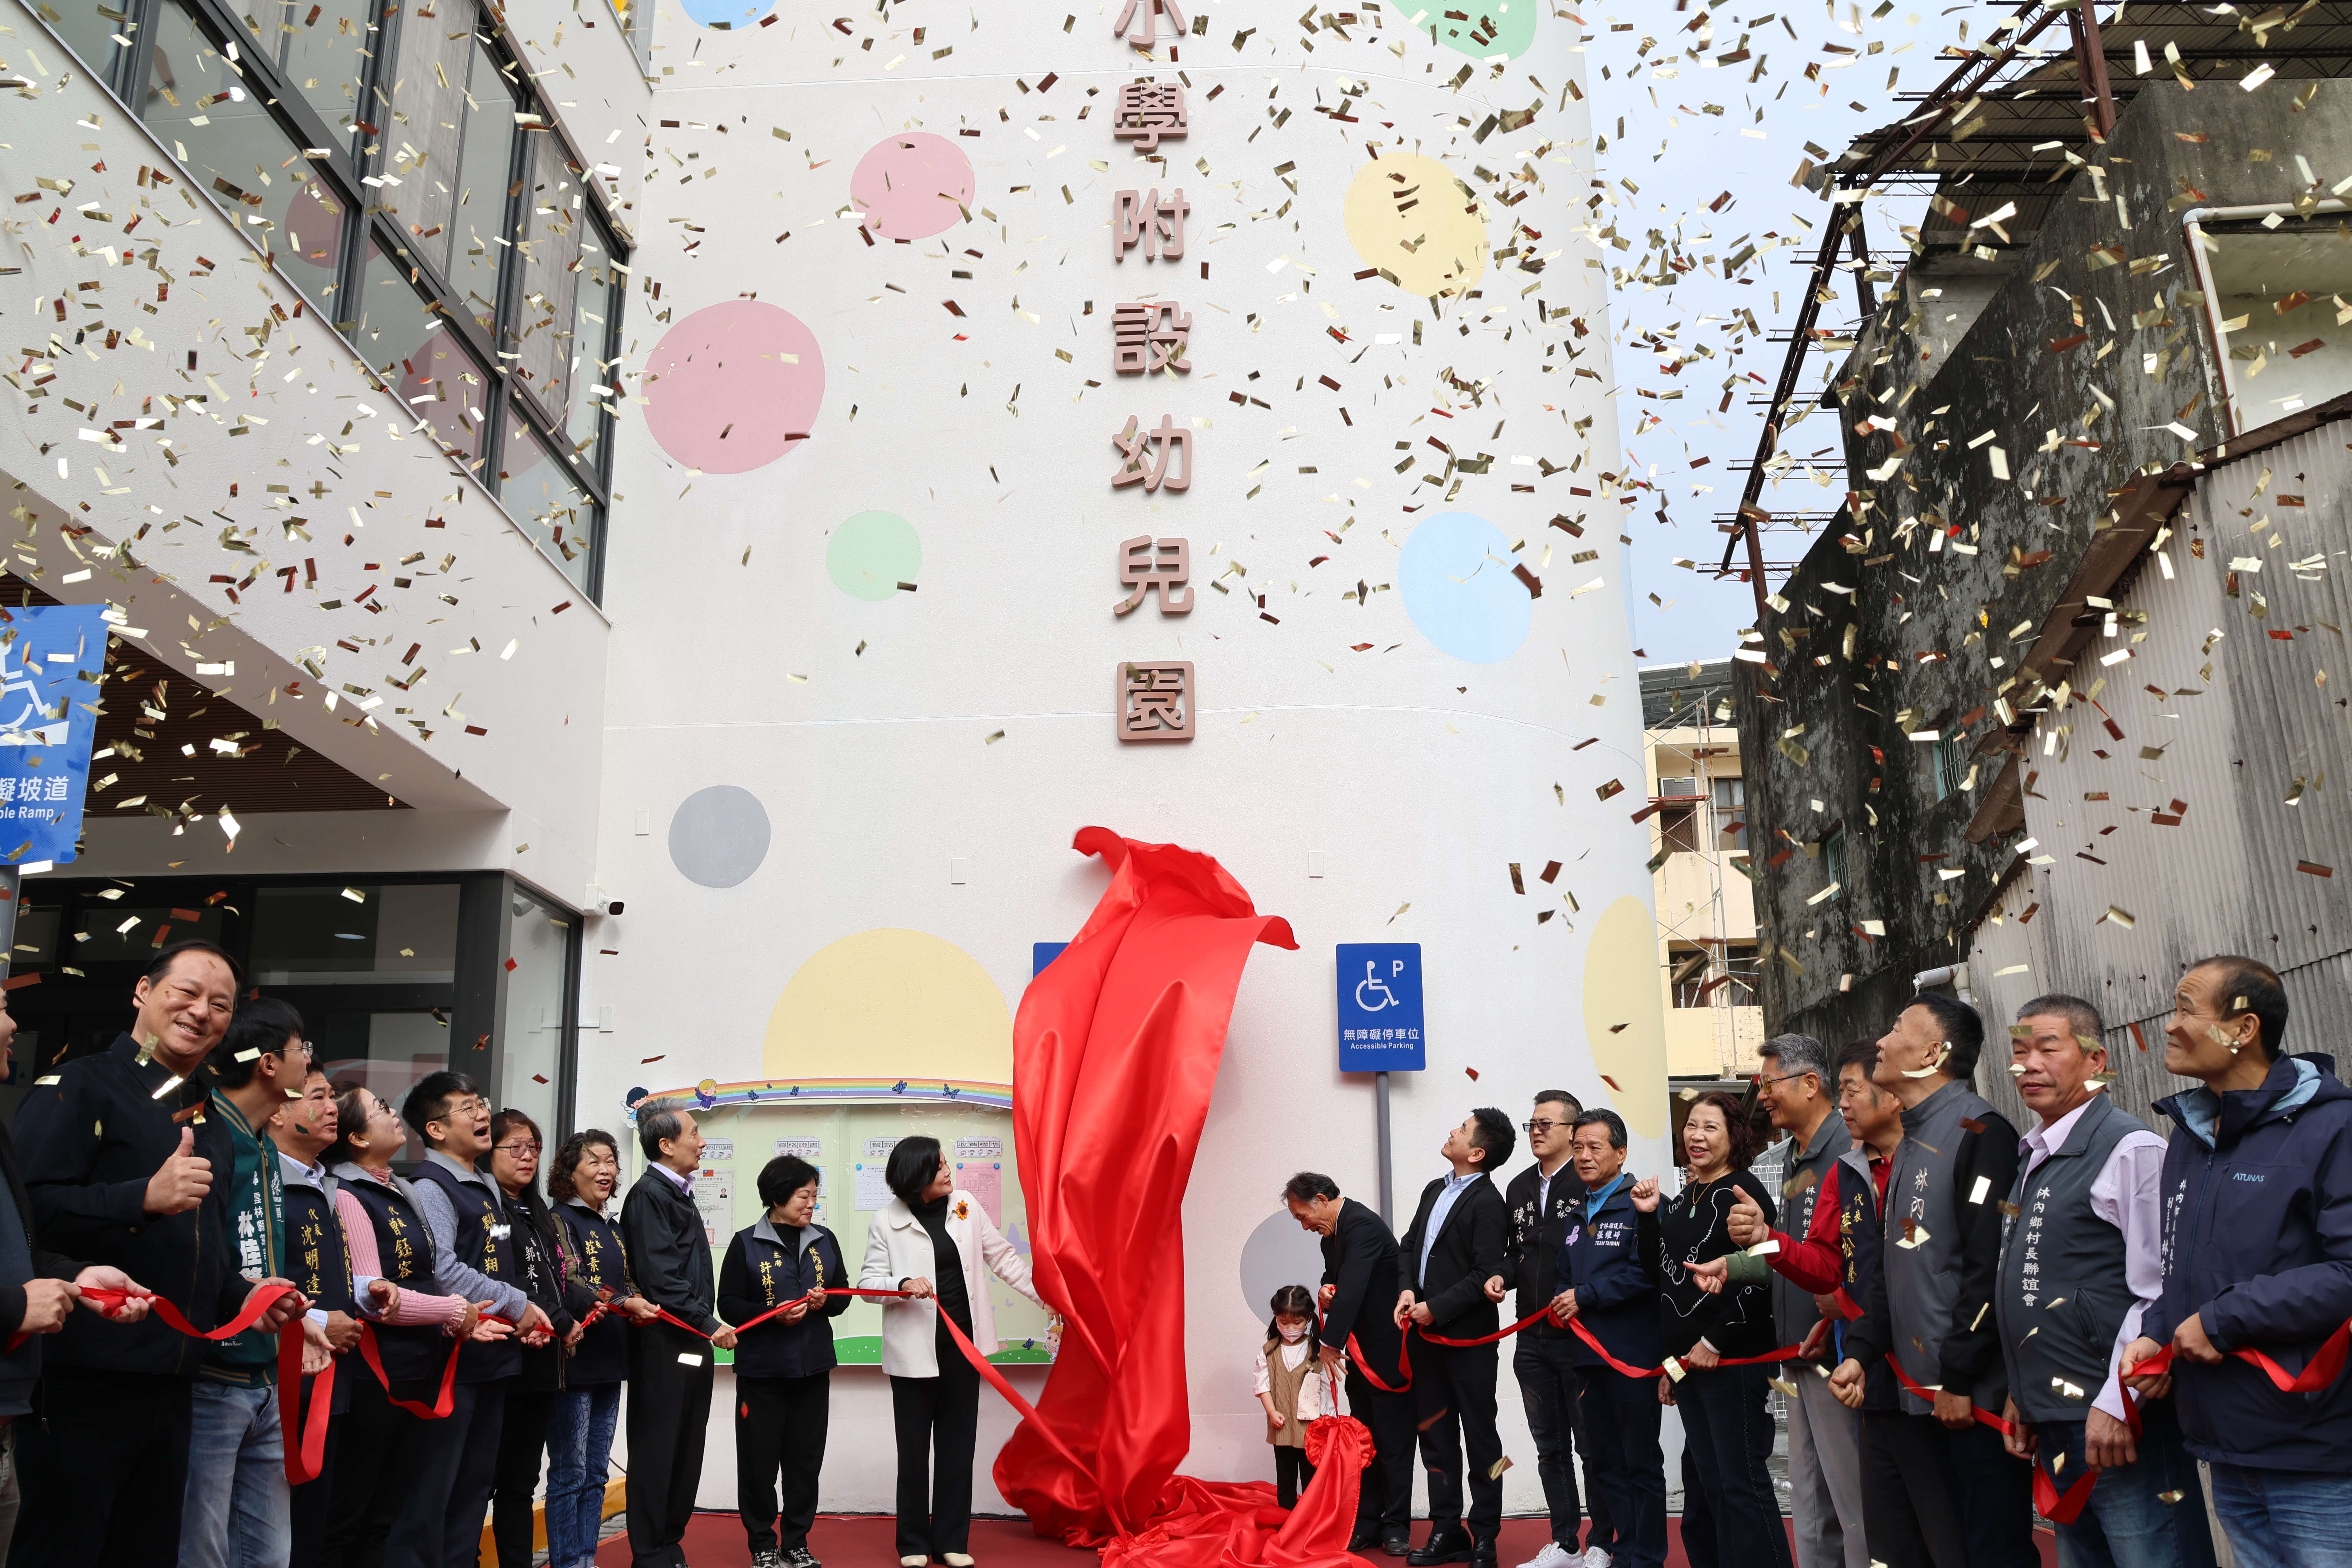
912	186
734	386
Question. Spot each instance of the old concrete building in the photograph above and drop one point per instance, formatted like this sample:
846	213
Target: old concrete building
2046	706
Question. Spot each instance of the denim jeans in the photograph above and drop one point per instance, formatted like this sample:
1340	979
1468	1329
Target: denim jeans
235	1513
2126	1524
579	1444
2284	1518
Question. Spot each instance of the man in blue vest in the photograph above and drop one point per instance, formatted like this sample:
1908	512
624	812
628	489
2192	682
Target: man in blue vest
1609	1281
2081	1262
475	1256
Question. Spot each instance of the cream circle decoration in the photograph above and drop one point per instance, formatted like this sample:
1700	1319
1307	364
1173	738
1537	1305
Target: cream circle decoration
1624	1016
1410	217
890	1003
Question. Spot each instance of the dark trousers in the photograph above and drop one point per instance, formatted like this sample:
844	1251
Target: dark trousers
1622	1415
102	1465
938	1420
375	1443
438	1521
1994	1491
1291	1474
780	1426
1731	1512
1384	1501
1549	1386
306	1505
668	1407
1454	1405
522	1444
1908	1514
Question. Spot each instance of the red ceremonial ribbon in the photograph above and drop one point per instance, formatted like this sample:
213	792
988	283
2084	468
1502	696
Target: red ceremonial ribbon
1575	1326
980	1363
2060	1508
305	1441
2324	1367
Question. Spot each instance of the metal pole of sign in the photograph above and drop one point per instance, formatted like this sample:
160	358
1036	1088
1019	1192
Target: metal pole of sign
8	882
1380	1099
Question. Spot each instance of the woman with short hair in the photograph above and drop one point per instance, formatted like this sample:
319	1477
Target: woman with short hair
580	1183
783	1367
933	1240
515	1144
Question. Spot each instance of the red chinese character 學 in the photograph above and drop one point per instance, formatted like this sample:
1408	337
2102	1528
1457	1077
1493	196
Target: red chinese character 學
1166	564
1145	16
1147	111
1142	215
1150	335
1155	701
1148	457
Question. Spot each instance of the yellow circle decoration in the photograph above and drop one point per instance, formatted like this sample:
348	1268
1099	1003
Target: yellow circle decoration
1625	1015
890	1003
1411	217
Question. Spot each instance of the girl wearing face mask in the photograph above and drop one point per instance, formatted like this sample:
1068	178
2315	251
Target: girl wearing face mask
1292	1388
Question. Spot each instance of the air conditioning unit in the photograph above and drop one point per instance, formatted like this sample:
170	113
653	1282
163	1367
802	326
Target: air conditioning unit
1677	789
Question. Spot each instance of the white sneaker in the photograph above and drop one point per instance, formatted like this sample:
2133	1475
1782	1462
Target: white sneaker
1553	1555
1595	1557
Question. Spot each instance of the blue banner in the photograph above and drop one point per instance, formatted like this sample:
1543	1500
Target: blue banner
51	657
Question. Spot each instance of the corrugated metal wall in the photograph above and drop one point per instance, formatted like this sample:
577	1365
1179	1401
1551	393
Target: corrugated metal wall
2225	878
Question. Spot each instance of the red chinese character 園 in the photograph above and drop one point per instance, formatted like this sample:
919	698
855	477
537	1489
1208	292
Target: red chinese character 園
1155	701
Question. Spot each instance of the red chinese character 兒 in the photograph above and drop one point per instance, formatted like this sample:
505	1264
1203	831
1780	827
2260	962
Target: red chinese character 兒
1165	564
1147	111
1148	458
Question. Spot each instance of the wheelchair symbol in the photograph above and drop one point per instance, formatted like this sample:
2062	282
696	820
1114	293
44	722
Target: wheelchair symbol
1371	983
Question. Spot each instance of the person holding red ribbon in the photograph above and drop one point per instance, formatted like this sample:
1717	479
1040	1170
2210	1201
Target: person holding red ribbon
1929	1313
2252	1326
1359	1265
2080	1266
1453	1272
125	1168
1608	1284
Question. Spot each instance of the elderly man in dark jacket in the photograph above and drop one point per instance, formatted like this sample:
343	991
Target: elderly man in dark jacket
670	1369
1359	1277
2257	1257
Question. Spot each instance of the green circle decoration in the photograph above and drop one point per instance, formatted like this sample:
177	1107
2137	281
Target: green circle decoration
871	554
1502	27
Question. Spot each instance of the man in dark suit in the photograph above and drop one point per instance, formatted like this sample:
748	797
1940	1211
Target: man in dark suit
669	1369
1451	1272
1359	1268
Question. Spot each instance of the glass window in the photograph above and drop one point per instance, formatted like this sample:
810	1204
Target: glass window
531	1033
425	362
36	938
541	330
198	104
391	1053
93	29
448	155
540	494
111	932
363	934
320	47
596	306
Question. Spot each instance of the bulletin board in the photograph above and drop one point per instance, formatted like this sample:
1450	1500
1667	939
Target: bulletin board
847	1130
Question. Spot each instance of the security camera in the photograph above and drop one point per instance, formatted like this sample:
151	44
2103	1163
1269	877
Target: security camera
602	903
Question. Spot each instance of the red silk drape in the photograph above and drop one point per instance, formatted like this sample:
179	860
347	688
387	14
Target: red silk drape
1115	1051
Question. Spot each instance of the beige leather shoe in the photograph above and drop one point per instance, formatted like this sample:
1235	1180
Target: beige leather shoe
914	1562
956	1559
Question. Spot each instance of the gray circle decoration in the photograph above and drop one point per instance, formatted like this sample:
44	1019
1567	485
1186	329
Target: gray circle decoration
719	836
1278	1253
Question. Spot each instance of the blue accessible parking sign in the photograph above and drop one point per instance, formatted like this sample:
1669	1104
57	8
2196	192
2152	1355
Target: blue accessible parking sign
1380	1007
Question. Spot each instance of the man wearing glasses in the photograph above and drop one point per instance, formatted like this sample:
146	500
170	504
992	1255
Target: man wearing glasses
1539	1199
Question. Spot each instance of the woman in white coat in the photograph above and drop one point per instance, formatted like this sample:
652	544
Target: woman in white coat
933	1241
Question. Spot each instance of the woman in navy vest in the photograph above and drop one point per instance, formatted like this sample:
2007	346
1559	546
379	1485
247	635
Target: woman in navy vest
784	1368
515	1147
414	1336
588	1407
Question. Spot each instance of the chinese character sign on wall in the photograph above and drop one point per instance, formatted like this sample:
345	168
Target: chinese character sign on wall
50	660
1155	701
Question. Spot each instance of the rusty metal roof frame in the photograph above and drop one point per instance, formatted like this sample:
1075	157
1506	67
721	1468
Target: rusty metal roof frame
2003	105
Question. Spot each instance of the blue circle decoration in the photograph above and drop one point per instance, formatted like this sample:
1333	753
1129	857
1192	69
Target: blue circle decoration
727	15
1455	574
719	836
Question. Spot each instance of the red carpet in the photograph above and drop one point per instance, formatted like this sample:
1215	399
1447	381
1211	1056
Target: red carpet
865	1540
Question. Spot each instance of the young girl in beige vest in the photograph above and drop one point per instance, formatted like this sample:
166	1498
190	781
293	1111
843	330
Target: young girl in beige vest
1293	1387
